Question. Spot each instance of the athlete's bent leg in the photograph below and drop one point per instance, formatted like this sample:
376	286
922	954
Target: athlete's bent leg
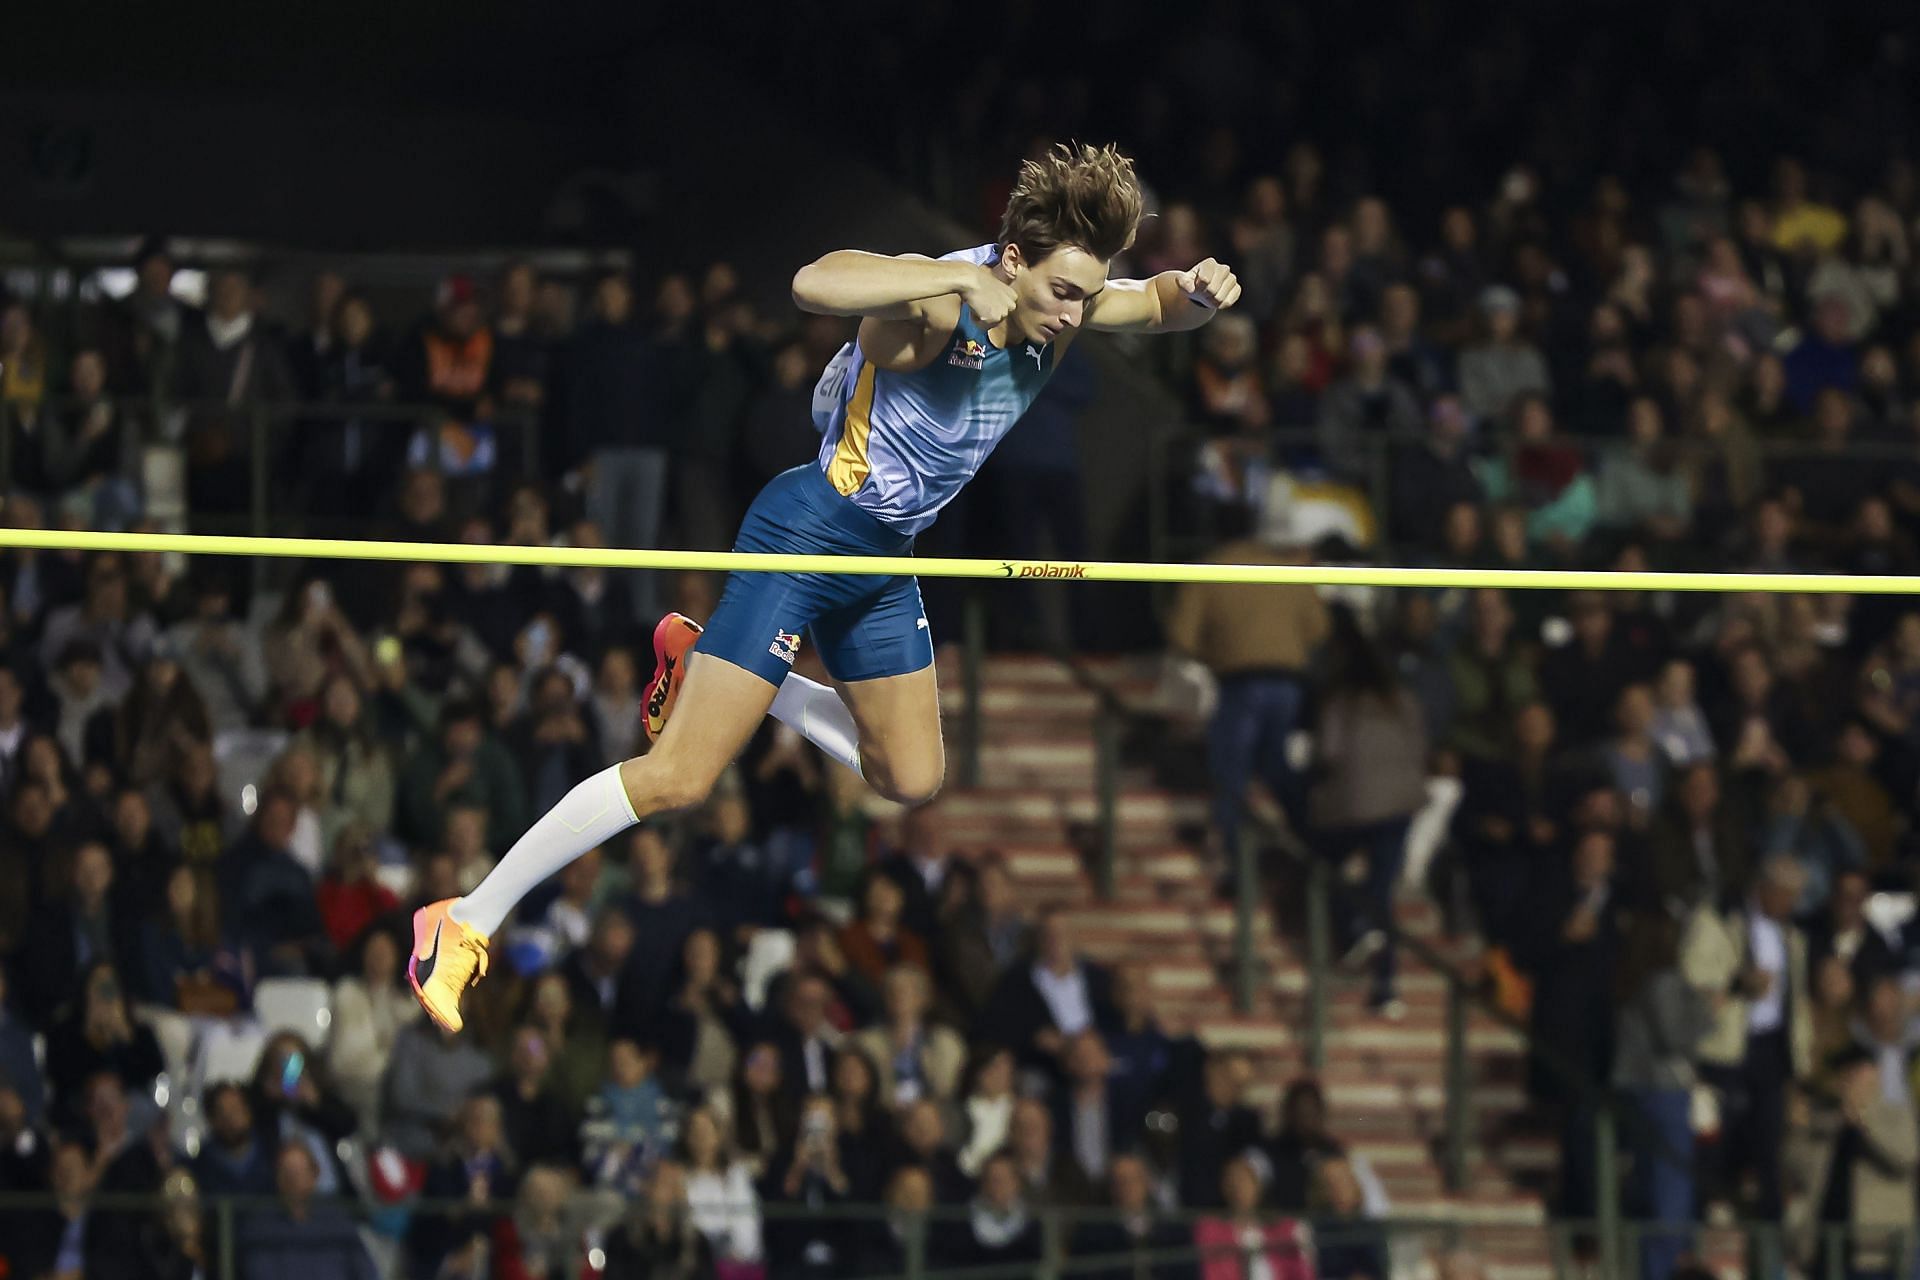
898	719
717	710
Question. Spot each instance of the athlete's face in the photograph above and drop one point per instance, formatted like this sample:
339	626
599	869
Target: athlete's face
1051	295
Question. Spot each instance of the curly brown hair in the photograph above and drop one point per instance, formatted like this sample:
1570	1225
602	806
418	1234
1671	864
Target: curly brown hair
1078	195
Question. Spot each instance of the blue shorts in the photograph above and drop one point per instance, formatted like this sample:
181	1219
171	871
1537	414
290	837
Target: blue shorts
863	626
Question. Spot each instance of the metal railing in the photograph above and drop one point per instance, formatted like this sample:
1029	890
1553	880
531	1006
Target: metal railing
236	1234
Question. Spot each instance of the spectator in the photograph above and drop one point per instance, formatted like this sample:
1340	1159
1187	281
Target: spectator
1000	1231
1763	1033
1137	1228
659	1240
1643	485
877	941
19	1068
53	1241
1060	994
1864	1177
612	411
759	1112
550	739
350	896
860	1123
1584	680
1571	957
1679	726
521	354
1825	359
1696	852
464	767
172	1243
310	639
188	963
809	1174
542	1240
1258	643
1239	1238
613	707
1216	1126
1370	779
721	1199
576	1039
96	1034
1368	401
428	1073
1660	1020
225	367
1090	1126
475	1167
370	1006
1497	372
1345	1244
300	1239
236	1160
887	1245
92	927
356	772
979	932
271	896
1547	477
1845	933
922	1144
913	1059
626	1123
987	1108
1434	477
1491	678
293	1098
1227	395
107	625
538	1125
189	812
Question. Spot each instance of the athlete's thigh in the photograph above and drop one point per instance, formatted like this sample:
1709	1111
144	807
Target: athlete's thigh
719	707
880	655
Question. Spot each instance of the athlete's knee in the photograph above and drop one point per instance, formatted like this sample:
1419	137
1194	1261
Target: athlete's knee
661	783
908	782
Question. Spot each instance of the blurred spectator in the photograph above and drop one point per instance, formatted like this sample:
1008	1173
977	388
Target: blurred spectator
1644	484
1433	477
542	1240
1370	767
86	927
659	1240
1345	1244
19	1067
224	370
1000	1229
1696	852
610	410
522	355
876	941
449	361
464	766
721	1199
300	1239
428	1074
809	1175
613	707
53	1241
370	1006
1138	1227
1571	955
1227	393
988	1107
1679	726
1659	1021
1495	373
1844	933
1368	401
1257	642
1863	1170
476	1168
700	1031
1049	1176
1240	1240
920	866
218	657
626	1121
350	896
309	640
235	1158
1763	1033
105	624
913	1059
356	772
922	1144
271	897
1216	1126
1089	1122
1040	1006
188	962
885	1246
980	932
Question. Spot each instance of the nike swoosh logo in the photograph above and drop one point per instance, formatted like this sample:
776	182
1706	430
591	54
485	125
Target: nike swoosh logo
423	969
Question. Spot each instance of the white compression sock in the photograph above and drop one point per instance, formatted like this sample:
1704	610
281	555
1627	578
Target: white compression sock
817	712
591	814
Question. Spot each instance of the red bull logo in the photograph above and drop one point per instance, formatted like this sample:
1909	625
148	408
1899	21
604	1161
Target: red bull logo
967	353
785	646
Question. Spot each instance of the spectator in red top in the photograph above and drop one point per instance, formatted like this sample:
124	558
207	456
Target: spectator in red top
877	941
351	898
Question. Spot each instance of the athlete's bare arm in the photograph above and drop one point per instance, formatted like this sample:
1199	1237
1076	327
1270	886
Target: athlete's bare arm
849	282
1167	303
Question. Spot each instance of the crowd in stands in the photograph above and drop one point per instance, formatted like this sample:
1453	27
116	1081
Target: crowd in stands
1673	812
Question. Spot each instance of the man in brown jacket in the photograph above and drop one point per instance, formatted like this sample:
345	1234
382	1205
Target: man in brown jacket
1258	642
1862	1176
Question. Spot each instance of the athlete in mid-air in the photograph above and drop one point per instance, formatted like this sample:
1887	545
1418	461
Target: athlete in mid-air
949	354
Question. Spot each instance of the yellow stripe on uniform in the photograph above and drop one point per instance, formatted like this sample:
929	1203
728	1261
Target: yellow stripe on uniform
849	468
